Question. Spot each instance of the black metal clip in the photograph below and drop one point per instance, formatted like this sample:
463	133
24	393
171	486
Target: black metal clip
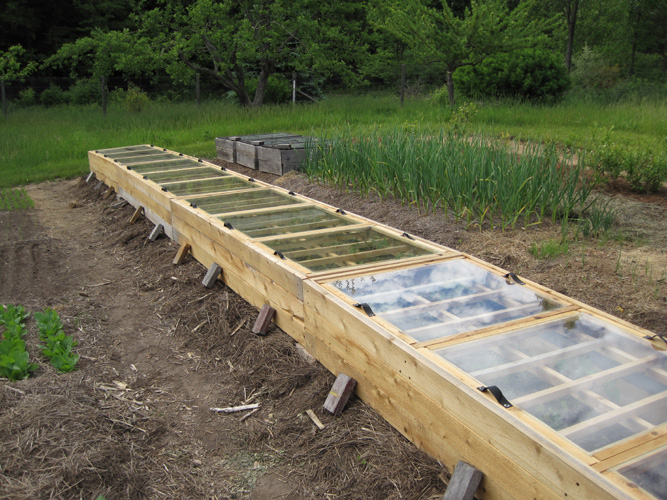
341	211
367	309
165	189
292	193
228	225
180	154
145	177
514	277
279	254
152	146
407	236
193	205
200	160
498	394
223	169
657	335
164	149
250	179
128	167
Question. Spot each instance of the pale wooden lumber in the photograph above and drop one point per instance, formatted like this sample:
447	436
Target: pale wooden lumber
263	321
157	231
182	253
211	275
339	394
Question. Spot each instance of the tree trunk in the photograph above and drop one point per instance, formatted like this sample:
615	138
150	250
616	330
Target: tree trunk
197	88
4	97
103	91
635	36
402	83
571	10
262	85
450	88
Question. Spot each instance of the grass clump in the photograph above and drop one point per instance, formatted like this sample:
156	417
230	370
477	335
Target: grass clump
14	360
549	249
58	347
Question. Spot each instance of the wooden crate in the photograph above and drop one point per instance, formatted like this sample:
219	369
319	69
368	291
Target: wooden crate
280	159
423	329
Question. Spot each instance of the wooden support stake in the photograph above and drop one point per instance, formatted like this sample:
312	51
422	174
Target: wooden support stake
108	193
182	253
90	176
119	204
212	275
263	321
464	482
136	214
339	394
157	231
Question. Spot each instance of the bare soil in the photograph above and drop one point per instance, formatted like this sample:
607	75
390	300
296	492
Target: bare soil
159	350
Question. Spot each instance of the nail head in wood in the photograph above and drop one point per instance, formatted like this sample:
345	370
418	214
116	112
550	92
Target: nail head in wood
212	275
263	321
182	253
157	231
339	394
137	213
464	482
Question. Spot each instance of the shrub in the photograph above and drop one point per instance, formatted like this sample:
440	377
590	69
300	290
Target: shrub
530	73
54	96
27	97
136	99
86	91
591	71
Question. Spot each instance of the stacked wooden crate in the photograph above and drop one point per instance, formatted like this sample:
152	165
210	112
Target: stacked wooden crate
548	397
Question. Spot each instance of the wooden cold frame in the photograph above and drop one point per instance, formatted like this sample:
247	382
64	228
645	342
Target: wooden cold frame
432	401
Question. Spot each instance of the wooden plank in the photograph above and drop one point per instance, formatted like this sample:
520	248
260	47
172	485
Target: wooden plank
339	394
631	443
212	275
464	482
157	231
137	213
182	253
246	155
625	456
263	321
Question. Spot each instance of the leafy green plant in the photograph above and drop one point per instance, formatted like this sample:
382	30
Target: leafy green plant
136	100
549	249
58	347
15	199
14	360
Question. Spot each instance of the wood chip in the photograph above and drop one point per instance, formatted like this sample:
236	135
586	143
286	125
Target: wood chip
236	409
314	418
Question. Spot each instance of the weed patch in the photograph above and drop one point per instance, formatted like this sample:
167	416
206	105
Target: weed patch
15	199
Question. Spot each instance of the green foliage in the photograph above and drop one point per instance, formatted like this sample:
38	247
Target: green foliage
478	180
136	99
14	360
11	68
27	97
278	90
85	91
58	347
14	199
53	96
532	74
591	71
644	169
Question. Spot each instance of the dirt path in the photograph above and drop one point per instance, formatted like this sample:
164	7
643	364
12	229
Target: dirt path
158	350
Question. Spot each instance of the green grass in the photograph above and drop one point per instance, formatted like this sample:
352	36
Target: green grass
549	249
38	144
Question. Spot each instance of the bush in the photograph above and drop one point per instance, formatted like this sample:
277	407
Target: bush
54	96
530	73
278	89
136	99
27	97
86	91
591	71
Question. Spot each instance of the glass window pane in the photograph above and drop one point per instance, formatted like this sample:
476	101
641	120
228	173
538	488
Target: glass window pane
319	252
441	300
228	183
119	155
236	202
649	472
126	149
286	221
188	174
163	166
581	376
145	158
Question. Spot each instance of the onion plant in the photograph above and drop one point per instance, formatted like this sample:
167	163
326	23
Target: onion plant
477	179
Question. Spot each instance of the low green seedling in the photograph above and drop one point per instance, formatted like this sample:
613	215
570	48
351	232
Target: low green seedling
14	360
58	347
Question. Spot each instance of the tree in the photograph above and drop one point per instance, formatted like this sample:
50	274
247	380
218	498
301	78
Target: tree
235	41
101	54
488	27
571	11
11	70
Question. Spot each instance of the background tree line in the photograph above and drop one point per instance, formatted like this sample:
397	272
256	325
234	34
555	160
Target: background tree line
78	51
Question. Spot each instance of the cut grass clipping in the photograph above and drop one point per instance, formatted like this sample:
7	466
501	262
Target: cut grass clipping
481	181
57	346
14	199
14	360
